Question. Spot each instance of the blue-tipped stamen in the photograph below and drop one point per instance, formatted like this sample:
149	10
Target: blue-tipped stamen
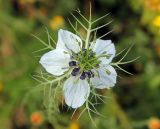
72	63
92	74
89	74
75	71
85	60
83	76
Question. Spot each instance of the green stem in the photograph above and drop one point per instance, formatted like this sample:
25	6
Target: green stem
88	29
117	110
88	35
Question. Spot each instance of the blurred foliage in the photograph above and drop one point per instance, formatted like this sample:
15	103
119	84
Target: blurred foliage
130	105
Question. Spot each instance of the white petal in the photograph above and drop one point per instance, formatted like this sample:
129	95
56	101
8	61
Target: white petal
69	41
105	77
76	91
55	62
104	46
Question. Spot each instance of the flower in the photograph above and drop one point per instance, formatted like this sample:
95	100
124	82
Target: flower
56	22
36	118
154	123
26	1
156	21
74	125
153	5
1	86
87	68
157	49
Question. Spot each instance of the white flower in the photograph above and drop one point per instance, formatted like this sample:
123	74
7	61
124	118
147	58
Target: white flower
87	68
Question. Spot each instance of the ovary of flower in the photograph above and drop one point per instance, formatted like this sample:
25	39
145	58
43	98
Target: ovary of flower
87	67
156	21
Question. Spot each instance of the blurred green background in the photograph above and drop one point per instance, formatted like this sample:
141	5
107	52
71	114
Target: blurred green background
134	102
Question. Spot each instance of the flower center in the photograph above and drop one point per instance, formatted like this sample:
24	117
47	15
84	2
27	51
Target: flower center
83	63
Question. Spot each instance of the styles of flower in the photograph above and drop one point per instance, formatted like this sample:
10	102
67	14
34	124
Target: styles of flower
84	67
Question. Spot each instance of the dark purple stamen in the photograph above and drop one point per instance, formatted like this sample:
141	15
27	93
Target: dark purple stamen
92	74
75	71
72	63
88	74
97	65
83	76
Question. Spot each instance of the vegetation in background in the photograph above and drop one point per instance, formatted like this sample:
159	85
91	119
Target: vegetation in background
132	104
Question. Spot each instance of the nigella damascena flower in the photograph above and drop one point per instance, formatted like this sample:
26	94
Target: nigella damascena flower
86	67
